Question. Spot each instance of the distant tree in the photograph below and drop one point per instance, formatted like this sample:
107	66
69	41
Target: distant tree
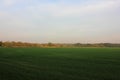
77	44
107	44
7	44
50	44
0	43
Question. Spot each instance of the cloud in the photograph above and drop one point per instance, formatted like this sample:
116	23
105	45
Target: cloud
8	3
2	14
66	10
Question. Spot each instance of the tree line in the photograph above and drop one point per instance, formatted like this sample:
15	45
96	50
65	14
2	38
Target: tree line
26	44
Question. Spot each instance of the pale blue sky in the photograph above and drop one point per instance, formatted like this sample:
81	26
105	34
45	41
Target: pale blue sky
60	21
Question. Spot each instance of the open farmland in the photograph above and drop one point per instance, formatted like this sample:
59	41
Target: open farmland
59	63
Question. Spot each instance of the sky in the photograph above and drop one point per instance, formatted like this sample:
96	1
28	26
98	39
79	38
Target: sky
60	21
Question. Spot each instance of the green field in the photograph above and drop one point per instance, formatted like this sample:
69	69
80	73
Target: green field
59	63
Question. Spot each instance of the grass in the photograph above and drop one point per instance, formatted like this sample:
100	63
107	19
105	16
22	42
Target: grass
59	63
